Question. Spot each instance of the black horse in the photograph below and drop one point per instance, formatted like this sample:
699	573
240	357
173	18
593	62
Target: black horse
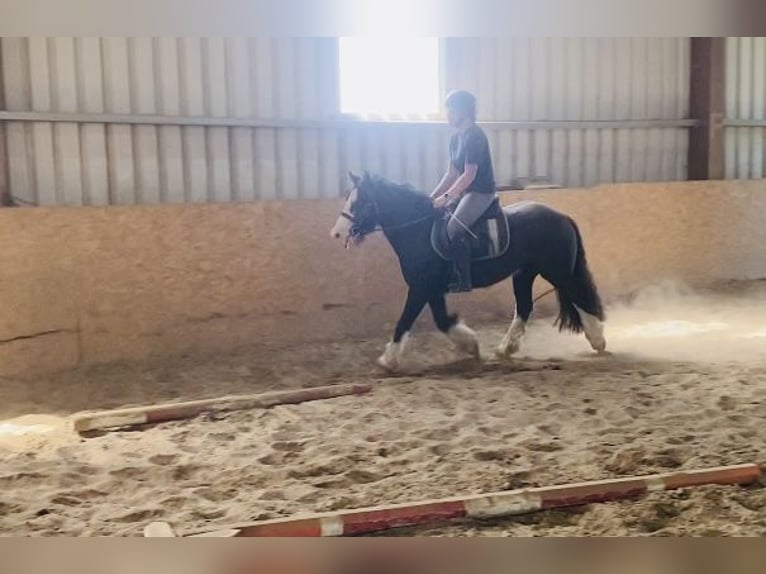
542	242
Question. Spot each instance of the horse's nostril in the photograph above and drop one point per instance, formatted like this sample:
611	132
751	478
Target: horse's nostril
337	235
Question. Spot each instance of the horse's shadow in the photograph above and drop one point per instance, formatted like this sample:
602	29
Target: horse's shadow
490	365
472	368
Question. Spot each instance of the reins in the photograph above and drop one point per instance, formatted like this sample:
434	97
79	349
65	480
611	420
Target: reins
404	225
380	226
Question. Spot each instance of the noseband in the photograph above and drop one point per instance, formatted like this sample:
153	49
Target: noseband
357	229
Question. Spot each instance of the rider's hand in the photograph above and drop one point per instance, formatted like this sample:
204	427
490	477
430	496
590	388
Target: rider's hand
442	201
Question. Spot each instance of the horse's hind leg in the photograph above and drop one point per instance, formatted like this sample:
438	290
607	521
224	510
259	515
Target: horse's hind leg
522	291
594	330
462	336
578	300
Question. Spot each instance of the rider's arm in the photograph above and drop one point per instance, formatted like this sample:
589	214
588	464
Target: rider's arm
462	183
449	178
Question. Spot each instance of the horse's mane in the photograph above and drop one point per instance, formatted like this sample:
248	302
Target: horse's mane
387	186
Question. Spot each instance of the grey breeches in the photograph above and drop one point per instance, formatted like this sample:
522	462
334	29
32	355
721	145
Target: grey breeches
468	211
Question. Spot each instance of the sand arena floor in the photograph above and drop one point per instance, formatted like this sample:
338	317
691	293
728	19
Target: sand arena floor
683	389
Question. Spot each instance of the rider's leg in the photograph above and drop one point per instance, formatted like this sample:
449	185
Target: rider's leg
470	208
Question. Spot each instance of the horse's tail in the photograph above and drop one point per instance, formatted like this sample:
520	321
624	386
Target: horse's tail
578	289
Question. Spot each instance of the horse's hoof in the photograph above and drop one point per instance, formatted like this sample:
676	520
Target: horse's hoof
389	360
473	351
464	339
507	352
386	365
500	353
599	347
503	355
469	349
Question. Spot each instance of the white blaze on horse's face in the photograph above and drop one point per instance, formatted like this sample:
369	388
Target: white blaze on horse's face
342	228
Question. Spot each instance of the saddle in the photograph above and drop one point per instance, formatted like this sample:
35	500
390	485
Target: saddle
493	236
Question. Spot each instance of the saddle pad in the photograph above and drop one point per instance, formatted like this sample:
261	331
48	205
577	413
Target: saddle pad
493	237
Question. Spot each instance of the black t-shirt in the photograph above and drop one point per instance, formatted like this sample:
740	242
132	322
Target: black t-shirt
472	147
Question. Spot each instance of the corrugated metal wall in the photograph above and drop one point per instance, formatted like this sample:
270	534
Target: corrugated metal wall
296	79
560	79
746	102
115	164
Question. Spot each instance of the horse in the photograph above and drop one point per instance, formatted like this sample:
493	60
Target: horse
541	242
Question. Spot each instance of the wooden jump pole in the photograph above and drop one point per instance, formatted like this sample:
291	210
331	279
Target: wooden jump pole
152	414
495	505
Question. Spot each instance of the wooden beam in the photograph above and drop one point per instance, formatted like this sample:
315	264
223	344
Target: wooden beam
5	178
337	123
707	92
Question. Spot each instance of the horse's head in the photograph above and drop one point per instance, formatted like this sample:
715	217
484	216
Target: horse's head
359	216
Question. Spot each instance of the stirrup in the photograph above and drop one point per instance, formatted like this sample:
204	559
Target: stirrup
458	288
460	282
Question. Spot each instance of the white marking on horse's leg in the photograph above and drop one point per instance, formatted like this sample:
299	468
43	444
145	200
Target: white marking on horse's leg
594	330
391	359
511	341
464	338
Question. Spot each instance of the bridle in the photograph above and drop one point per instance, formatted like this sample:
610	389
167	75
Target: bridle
358	229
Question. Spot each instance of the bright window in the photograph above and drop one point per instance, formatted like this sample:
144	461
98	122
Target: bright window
389	76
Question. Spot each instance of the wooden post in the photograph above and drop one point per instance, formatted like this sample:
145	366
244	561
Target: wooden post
707	101
5	190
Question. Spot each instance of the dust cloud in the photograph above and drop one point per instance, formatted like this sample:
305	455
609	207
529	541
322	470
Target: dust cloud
671	321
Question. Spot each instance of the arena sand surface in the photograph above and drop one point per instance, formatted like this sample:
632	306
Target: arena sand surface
682	389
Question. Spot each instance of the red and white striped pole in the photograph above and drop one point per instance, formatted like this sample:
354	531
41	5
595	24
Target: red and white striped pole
153	414
368	520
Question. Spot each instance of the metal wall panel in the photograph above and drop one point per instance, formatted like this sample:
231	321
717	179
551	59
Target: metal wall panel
96	164
571	79
67	163
746	101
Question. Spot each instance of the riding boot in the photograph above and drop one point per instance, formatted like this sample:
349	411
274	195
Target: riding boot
461	258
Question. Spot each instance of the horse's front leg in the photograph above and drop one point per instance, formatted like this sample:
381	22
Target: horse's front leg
391	357
462	336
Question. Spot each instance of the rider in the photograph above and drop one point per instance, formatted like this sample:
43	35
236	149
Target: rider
468	186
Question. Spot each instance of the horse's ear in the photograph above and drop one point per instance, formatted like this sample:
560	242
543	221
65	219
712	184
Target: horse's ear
366	175
355	179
